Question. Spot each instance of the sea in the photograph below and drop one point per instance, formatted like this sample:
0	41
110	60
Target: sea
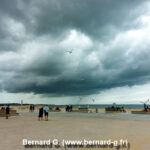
126	106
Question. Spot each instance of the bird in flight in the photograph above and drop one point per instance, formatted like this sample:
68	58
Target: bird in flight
70	51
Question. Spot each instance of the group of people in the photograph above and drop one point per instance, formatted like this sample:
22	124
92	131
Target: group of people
69	108
115	108
57	108
43	110
31	108
146	108
7	111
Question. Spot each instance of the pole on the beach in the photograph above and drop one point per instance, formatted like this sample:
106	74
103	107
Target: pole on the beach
21	102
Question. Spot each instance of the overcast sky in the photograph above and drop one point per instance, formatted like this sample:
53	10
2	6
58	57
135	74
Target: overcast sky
110	44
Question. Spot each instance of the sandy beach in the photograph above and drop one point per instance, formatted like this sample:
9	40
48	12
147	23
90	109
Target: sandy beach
73	126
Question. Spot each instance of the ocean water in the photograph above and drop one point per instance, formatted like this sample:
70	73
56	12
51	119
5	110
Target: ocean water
126	106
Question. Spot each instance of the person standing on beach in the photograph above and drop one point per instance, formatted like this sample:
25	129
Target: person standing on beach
41	113
33	108
46	110
7	111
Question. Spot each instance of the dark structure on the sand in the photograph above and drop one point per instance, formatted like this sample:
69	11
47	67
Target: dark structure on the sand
115	109
12	113
83	109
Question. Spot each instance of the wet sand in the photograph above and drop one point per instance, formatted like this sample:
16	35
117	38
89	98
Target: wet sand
73	126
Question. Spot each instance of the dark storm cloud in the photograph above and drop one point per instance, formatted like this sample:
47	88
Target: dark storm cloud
97	18
12	14
36	35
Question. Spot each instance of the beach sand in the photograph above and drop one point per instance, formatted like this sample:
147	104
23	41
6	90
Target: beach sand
72	126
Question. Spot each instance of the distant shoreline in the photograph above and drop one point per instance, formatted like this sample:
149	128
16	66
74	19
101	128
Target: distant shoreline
90	106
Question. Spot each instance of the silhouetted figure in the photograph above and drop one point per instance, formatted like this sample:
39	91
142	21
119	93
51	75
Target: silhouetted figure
41	113
33	108
70	107
3	108
113	107
96	110
7	112
57	108
145	107
66	107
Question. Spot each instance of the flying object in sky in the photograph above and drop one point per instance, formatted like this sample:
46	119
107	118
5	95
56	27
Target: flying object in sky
70	51
93	100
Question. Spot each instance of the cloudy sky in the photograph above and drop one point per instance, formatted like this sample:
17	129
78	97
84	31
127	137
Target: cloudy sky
110	44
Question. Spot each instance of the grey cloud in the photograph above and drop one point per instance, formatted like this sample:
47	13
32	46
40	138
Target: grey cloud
98	19
58	73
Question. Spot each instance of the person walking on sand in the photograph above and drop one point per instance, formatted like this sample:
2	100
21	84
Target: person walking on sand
7	111
41	113
46	110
